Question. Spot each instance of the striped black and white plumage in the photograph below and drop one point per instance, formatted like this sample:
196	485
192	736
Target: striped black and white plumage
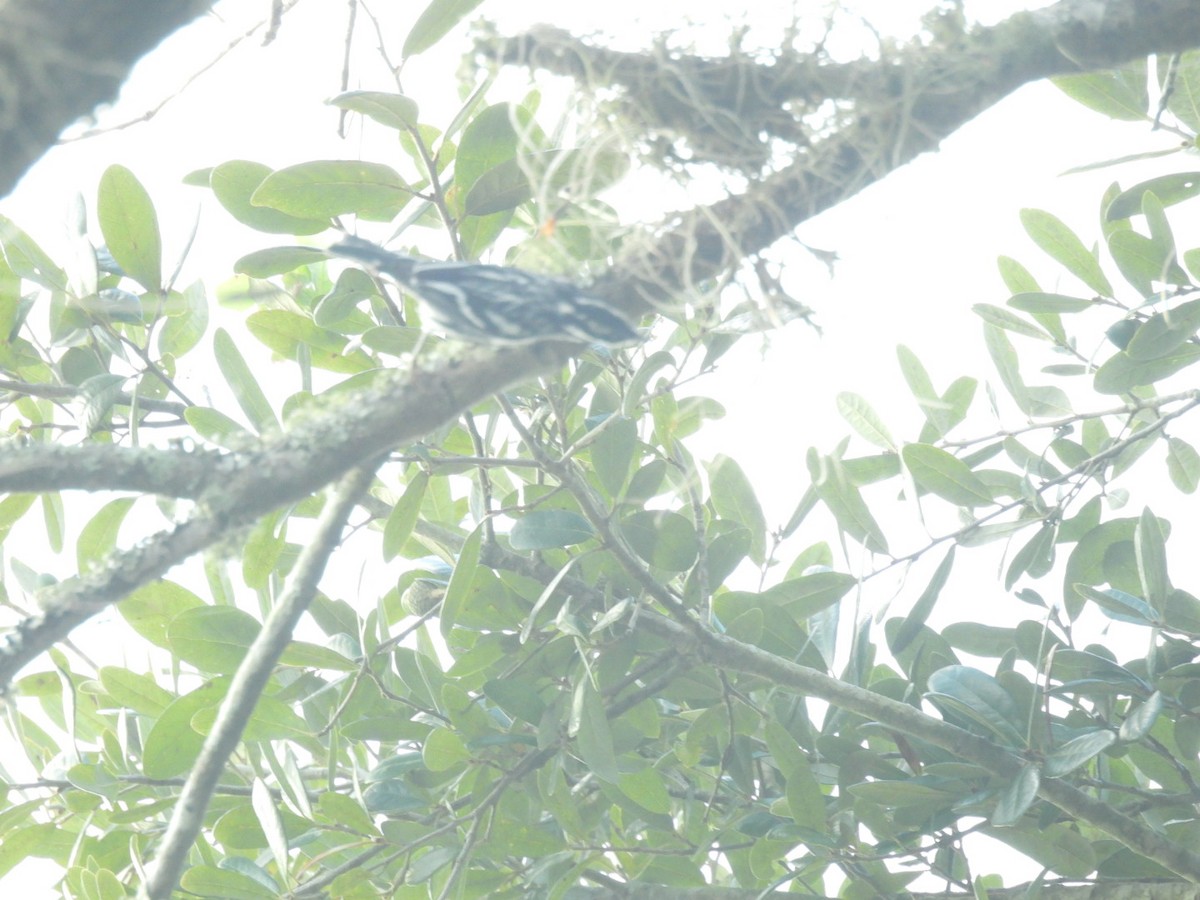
495	304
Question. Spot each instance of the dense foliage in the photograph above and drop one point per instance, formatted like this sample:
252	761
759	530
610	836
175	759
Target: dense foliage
554	651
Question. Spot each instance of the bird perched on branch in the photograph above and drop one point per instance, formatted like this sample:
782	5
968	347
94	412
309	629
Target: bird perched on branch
495	304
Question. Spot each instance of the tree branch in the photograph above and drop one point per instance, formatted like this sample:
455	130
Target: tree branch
906	104
320	448
247	685
60	59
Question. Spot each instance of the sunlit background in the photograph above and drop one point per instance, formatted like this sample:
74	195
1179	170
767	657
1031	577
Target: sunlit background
914	252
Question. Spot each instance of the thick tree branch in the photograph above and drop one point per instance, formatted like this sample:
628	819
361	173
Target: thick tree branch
60	59
320	448
904	105
103	467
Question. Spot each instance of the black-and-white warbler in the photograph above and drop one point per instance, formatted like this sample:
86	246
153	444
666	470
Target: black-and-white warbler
495	304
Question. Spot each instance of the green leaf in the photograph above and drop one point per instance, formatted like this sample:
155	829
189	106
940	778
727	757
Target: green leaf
844	501
977	697
303	655
288	333
212	638
805	799
733	498
1055	846
461	580
647	789
665	540
434	22
277	261
612	452
1151	554
499	189
338	809
243	383
517	698
393	110
1016	799
234	183
1191	259
271	824
1002	318
338	308
181	333
638	385
1036	557
213	425
150	609
1068	757
397	340
1141	261
1183	464
52	516
589	727
549	172
863	419
325	188
1169	189
27	259
1004	357
12	508
807	595
1061	243
913	622
1164	332
544	529
1119	605
262	552
946	475
1116	93
1182	612
99	536
444	750
209	881
1121	373
97	396
921	791
1104	554
921	386
1141	718
1038	302
403	517
140	693
492	137
130	226
172	744
1016	277
1184	99
952	408
240	829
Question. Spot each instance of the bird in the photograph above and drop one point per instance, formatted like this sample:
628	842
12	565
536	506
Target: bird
488	304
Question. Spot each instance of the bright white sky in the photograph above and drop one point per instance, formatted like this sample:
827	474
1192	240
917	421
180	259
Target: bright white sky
917	250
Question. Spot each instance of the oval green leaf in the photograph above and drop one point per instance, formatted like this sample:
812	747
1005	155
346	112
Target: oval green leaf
946	475
130	226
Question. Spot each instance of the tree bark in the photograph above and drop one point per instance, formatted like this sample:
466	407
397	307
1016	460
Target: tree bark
60	59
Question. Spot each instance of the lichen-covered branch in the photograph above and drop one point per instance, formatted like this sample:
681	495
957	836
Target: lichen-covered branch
890	110
317	450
